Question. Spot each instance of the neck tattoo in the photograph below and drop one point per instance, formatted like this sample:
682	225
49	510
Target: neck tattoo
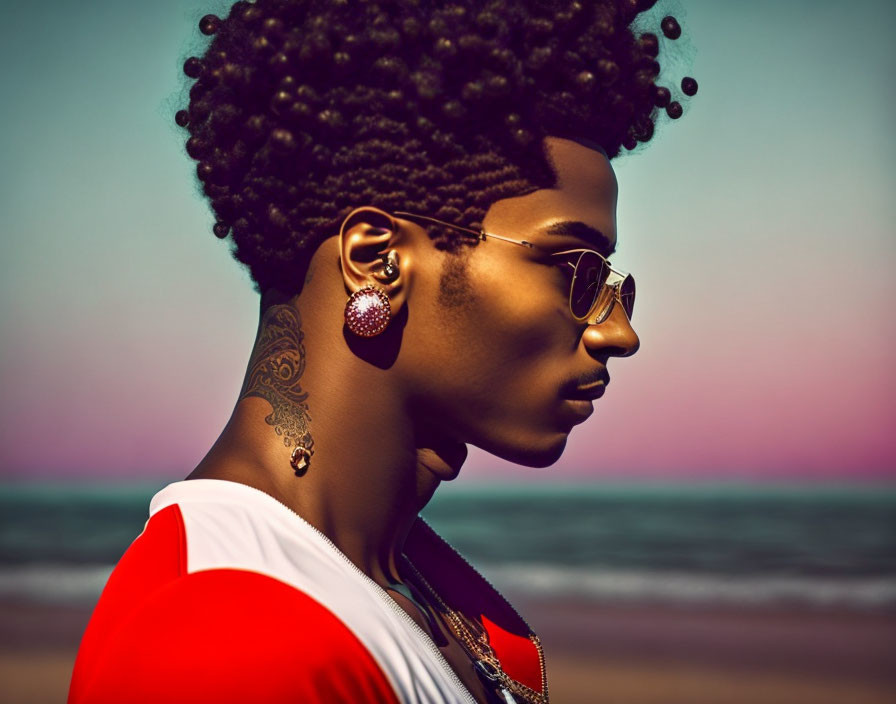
275	370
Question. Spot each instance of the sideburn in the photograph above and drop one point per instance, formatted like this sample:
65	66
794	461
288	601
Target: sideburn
455	289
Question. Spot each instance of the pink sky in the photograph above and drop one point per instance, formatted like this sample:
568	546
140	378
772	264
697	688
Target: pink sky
137	409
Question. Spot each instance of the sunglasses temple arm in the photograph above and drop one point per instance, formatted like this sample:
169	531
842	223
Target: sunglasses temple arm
480	234
485	234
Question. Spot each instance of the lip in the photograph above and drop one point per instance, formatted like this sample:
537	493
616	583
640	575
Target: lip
590	392
580	406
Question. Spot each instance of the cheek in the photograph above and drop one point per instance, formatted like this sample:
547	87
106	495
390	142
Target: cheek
521	340
524	312
499	357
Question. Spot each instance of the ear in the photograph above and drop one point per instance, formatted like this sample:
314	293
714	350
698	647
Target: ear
366	236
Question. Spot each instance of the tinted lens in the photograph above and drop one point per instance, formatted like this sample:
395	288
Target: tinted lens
588	280
627	295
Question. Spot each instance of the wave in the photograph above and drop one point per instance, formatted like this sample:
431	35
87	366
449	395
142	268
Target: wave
81	585
674	587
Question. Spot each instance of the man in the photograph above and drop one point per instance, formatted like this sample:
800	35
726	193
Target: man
291	564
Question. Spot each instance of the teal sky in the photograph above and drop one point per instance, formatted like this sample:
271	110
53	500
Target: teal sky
760	228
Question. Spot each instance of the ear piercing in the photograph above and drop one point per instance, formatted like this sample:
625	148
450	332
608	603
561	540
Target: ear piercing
368	311
390	265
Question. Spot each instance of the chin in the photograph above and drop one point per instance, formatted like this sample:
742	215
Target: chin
542	452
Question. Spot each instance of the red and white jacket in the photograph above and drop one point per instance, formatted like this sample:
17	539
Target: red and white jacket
229	596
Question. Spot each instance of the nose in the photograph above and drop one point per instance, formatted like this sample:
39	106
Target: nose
614	337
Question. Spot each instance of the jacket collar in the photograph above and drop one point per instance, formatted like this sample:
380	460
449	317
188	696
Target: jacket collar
464	589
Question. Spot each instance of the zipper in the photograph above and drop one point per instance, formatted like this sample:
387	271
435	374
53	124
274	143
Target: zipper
390	603
534	638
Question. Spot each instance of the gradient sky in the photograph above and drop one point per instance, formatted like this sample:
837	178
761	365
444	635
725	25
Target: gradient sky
760	227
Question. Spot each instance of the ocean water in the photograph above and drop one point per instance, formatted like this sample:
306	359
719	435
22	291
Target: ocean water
697	544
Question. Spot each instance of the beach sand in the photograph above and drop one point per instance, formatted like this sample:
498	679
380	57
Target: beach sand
632	654
638	654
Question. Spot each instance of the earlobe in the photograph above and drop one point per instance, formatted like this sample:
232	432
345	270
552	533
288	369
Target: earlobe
368	310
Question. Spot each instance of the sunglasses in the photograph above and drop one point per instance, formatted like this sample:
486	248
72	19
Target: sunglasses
595	285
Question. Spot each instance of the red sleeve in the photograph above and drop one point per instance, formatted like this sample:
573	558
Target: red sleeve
219	636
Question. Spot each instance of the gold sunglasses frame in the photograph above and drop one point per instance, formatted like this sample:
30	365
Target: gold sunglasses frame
615	288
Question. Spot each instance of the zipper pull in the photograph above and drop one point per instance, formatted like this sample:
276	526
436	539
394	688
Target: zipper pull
508	697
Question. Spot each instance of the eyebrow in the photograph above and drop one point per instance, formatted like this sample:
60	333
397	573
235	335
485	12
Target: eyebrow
579	230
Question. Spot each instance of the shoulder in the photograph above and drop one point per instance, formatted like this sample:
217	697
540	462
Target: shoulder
163	633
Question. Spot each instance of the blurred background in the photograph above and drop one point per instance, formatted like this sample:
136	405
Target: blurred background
722	530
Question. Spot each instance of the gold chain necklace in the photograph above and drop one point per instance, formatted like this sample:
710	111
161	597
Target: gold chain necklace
474	638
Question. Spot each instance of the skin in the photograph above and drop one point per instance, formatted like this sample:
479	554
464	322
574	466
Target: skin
389	417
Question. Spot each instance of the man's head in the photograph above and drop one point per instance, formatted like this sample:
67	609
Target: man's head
316	123
507	366
303	110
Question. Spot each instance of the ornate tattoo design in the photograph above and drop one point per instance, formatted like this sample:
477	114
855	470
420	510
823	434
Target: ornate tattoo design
275	370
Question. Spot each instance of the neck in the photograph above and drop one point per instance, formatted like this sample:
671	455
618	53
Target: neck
372	469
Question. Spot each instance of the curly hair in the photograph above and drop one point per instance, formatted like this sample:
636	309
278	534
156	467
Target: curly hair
302	110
